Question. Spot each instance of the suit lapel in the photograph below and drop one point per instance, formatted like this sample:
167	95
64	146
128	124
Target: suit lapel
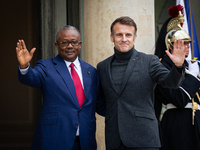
86	79
62	69
130	67
108	73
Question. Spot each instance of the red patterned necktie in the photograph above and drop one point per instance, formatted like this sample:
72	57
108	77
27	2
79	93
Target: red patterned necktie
78	86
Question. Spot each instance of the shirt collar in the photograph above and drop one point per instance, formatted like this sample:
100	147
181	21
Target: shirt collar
76	63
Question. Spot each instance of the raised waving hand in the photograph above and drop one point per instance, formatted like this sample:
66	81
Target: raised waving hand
23	55
177	55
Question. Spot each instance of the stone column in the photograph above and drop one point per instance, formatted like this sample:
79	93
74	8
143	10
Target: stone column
98	16
53	17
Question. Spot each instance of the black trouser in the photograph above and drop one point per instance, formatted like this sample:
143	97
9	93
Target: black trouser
123	147
77	145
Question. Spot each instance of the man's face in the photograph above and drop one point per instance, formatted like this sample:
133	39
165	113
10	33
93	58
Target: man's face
70	52
187	46
123	37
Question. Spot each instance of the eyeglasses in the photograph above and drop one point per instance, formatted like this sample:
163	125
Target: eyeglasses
66	43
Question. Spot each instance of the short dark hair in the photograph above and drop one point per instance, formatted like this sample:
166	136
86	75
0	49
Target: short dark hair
68	27
124	20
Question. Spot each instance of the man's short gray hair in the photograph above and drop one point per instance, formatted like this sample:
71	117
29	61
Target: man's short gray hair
68	27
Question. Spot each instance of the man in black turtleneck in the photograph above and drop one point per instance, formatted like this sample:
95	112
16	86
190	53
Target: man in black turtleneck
118	67
127	80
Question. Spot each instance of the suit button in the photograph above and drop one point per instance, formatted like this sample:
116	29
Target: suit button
77	124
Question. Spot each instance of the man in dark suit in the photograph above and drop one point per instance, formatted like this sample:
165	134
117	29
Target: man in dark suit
128	79
69	87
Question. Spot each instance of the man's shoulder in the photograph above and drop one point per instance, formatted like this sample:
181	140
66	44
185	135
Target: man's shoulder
105	61
146	57
84	63
49	62
45	62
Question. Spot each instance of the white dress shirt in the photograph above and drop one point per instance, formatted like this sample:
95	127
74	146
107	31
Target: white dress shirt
77	67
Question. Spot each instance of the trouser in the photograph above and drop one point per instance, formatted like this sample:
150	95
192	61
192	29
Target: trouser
123	147
76	145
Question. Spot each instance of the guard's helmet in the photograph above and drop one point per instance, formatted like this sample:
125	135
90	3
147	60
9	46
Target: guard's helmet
173	35
174	27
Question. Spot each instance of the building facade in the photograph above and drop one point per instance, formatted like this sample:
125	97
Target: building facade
37	21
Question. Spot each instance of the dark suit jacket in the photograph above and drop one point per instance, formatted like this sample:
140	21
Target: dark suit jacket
60	114
130	113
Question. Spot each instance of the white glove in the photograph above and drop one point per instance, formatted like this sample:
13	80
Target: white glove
188	72
193	68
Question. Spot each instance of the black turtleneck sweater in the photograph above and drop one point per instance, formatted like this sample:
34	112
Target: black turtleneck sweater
118	67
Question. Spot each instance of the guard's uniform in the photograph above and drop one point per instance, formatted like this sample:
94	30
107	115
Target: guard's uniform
177	129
